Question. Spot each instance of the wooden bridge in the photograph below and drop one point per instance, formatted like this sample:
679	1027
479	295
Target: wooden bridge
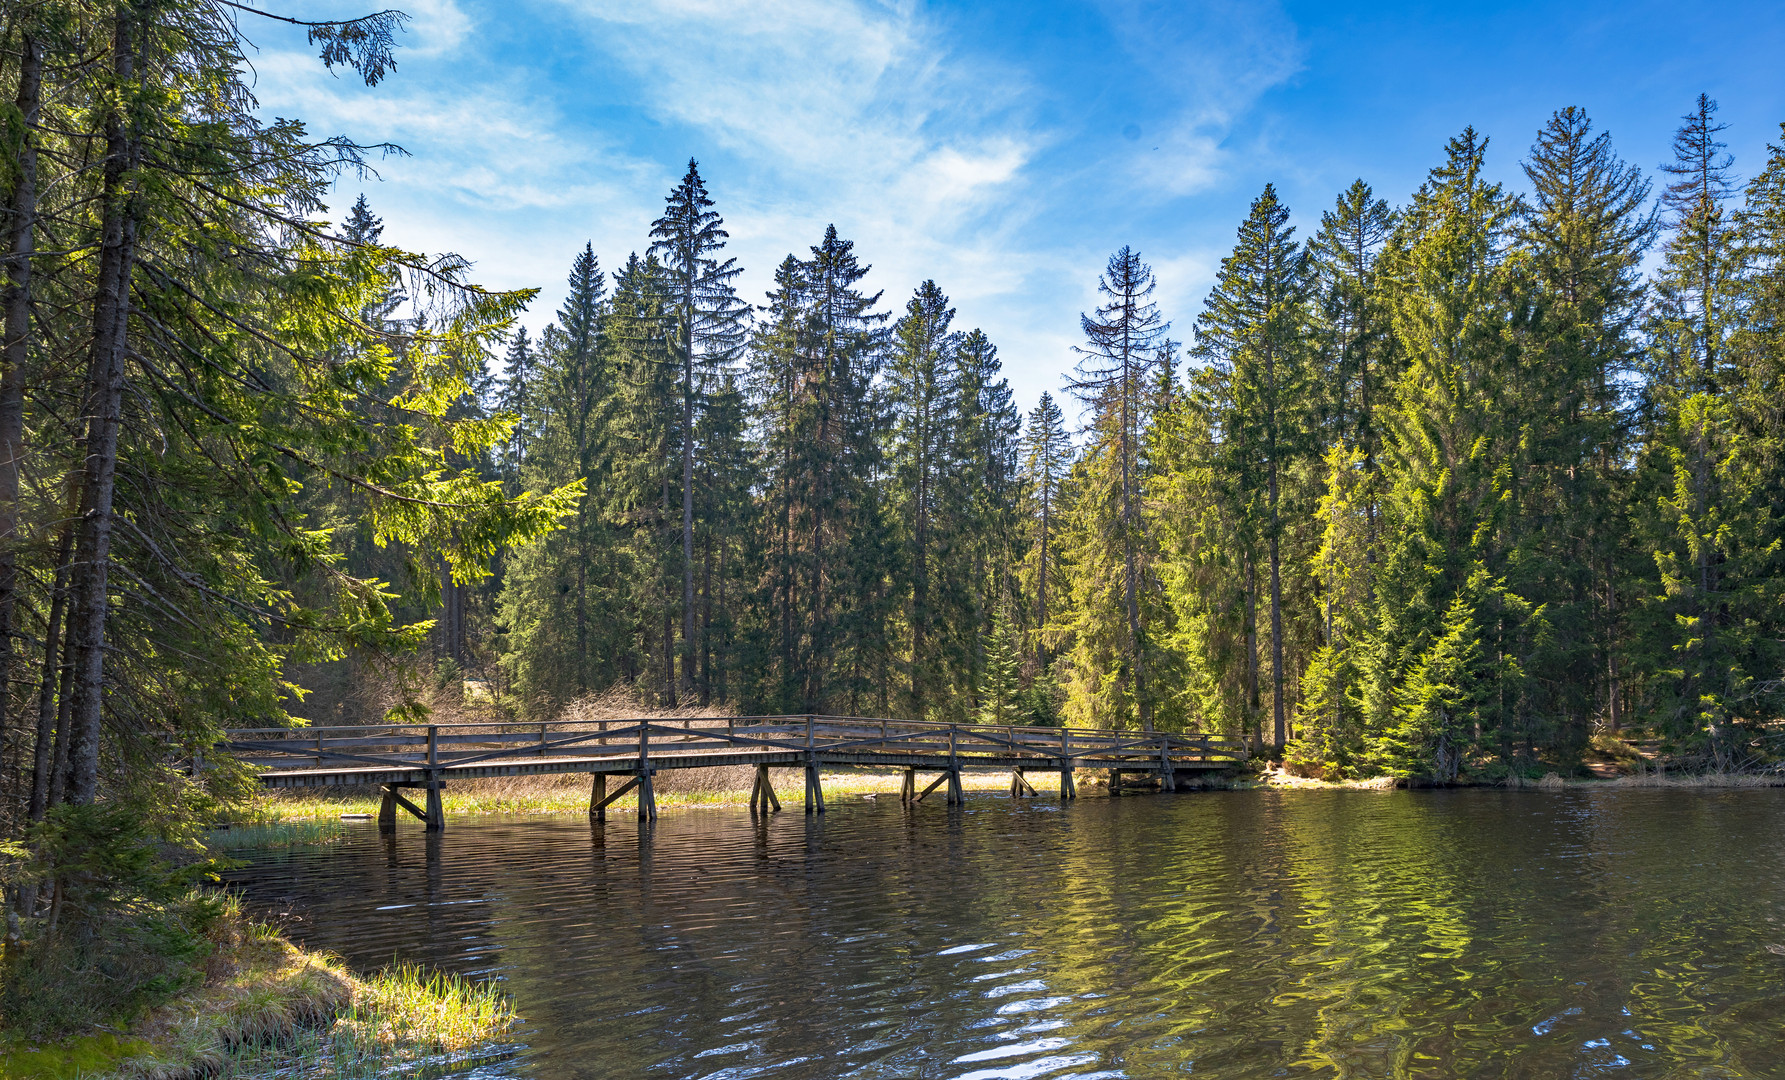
428	756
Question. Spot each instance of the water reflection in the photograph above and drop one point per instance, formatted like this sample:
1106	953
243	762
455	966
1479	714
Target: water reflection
1240	934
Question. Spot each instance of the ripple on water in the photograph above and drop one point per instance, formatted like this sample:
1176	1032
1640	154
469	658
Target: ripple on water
1232	934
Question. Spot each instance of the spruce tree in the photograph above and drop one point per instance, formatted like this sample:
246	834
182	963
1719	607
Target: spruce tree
709	329
1113	378
1001	688
1254	330
924	383
1712	534
812	369
1446	475
1583	232
1048	458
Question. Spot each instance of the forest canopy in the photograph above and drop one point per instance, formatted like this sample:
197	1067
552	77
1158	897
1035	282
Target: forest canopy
1422	490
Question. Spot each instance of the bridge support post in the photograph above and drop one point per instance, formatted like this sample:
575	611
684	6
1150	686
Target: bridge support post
598	797
814	790
762	793
1115	783
957	796
1068	790
1019	785
647	796
908	787
387	810
436	820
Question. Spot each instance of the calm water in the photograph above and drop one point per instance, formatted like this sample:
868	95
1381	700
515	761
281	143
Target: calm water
1222	934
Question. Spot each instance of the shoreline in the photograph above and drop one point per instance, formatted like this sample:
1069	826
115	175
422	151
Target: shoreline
264	1006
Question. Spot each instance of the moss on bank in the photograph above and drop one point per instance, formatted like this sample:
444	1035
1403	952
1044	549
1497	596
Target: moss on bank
265	1007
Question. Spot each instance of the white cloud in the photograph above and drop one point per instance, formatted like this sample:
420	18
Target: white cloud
932	154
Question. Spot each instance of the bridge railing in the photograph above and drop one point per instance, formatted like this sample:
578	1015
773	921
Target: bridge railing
445	746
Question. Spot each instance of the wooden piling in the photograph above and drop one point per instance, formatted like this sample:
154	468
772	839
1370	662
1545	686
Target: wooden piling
908	787
387	810
647	796
1068	790
598	797
762	792
436	819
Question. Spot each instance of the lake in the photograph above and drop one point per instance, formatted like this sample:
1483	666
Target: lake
1480	933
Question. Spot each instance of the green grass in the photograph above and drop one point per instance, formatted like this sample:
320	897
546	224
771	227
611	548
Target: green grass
87	1055
272	835
268	1008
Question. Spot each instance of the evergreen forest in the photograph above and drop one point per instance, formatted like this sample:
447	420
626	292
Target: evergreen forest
1432	487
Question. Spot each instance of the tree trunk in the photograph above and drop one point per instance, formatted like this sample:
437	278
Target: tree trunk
1041	627
1130	529
1251	635
15	352
1279	731
687	495
104	401
47	698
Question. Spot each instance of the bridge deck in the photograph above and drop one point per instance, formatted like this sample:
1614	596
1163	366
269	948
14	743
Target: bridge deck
429	755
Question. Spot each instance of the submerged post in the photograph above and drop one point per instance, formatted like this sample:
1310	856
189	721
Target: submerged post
387	810
598	797
1068	790
955	795
762	793
436	815
647	793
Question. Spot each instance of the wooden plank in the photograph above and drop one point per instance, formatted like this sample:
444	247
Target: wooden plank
397	797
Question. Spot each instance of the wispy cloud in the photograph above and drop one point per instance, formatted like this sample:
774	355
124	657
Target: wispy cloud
541	124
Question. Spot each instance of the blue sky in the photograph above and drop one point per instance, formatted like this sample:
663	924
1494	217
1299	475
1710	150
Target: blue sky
1003	149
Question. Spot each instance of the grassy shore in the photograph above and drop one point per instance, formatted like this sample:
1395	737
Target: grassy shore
567	794
266	1007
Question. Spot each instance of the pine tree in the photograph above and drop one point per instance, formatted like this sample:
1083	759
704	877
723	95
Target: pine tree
1113	377
1355	340
924	396
1046	465
813	364
1713	537
1000	691
1446	474
515	398
708	332
1583	231
1254	331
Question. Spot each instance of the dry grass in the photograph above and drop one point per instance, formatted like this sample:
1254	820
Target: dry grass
268	1007
1658	779
568	793
1277	776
